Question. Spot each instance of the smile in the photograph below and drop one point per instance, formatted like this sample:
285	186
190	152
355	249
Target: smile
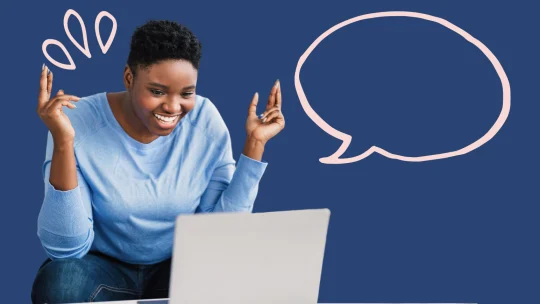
165	119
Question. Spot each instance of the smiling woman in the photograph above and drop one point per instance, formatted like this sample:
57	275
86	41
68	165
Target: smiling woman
156	99
120	166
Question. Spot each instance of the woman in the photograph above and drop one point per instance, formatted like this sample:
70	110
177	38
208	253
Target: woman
121	166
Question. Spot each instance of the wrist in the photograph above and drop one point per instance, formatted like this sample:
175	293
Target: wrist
62	145
254	148
256	142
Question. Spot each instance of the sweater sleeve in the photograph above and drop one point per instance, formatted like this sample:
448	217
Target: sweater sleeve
232	188
65	224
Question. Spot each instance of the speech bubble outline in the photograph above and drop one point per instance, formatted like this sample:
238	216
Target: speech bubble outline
346	138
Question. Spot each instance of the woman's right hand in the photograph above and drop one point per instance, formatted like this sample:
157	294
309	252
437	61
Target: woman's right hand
50	110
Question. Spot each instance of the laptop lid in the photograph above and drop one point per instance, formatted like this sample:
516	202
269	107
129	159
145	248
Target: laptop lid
241	258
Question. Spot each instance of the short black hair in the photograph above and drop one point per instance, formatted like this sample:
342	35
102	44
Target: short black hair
159	40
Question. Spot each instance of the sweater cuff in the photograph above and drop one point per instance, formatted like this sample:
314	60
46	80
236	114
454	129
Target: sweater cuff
62	194
243	187
254	168
63	212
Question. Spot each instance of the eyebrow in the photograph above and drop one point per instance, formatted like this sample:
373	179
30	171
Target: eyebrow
166	87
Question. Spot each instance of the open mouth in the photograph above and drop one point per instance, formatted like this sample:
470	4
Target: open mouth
165	121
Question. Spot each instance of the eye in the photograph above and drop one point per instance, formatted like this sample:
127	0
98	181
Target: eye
157	92
187	94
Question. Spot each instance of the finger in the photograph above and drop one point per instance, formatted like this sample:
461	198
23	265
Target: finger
69	105
253	105
278	95
69	97
60	93
49	84
59	104
263	115
272	96
61	98
271	116
42	95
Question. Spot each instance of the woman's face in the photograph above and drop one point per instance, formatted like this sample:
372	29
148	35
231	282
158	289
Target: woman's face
162	94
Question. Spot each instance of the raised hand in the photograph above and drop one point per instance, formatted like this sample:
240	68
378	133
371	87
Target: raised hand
271	121
51	110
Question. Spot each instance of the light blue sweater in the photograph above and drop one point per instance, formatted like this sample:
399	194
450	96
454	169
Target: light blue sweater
129	193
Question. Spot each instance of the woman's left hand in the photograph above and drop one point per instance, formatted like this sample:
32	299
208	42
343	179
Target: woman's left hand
271	122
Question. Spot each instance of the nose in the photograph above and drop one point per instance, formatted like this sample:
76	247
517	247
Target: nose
173	106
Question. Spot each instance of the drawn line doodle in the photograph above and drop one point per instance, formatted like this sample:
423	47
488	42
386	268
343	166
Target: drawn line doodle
346	138
85	50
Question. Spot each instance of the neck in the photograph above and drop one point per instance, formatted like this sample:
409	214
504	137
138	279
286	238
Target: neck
134	126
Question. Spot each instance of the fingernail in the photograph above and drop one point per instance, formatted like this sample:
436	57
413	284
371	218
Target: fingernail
278	83
48	71
43	67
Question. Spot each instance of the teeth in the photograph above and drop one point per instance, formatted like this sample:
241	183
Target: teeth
165	119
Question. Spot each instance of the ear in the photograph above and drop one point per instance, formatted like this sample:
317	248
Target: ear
128	78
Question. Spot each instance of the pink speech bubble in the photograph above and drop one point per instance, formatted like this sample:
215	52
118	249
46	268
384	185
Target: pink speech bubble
346	138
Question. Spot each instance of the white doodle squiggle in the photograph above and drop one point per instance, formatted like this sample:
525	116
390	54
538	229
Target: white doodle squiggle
85	50
102	14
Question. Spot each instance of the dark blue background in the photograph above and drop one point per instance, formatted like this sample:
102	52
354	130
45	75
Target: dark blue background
463	229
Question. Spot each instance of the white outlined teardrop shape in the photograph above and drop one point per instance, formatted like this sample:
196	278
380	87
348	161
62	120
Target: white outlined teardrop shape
86	49
46	43
102	14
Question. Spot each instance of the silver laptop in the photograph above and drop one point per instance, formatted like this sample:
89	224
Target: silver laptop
246	258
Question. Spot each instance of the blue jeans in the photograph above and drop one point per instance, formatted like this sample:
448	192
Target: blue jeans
97	277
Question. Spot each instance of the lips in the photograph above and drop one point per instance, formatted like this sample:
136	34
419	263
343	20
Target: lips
165	118
166	122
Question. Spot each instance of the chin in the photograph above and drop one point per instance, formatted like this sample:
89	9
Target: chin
161	132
